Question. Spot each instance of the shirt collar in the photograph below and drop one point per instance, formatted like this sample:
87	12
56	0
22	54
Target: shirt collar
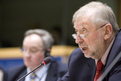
42	70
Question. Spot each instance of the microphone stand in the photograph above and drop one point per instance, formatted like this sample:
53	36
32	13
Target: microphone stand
30	72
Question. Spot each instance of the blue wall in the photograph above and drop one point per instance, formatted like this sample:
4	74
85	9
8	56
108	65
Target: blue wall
13	62
8	63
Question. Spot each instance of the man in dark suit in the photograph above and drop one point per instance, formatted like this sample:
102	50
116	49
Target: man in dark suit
37	45
98	37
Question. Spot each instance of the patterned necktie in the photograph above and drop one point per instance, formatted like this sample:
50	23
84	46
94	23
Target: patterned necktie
98	70
33	76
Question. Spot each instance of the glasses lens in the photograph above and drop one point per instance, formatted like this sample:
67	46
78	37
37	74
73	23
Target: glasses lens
22	49
74	36
82	36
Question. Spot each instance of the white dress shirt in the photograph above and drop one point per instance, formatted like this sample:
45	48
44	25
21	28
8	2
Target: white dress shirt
40	73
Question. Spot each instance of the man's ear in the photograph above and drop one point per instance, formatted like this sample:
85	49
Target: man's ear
107	31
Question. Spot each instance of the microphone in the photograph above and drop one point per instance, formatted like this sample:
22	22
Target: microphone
45	61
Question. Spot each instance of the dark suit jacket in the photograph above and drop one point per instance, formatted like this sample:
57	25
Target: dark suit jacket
56	69
79	67
83	69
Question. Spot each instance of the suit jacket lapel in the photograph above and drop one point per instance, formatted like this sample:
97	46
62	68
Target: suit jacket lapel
22	74
91	69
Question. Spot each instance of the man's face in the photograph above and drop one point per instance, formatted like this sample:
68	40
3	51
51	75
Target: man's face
93	43
33	53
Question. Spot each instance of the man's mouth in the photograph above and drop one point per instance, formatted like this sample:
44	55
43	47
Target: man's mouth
84	49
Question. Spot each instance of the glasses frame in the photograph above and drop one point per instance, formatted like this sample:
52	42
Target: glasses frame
84	36
30	51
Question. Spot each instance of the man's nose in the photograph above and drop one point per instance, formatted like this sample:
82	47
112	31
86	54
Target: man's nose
27	53
78	39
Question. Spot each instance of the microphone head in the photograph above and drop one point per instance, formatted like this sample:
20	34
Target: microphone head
47	60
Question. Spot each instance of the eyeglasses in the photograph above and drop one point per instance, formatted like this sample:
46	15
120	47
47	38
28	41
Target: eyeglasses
30	51
84	36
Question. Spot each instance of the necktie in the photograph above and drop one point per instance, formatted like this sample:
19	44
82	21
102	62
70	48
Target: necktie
33	76
98	70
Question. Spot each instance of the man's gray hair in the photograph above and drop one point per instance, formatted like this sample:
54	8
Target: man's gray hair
100	14
46	37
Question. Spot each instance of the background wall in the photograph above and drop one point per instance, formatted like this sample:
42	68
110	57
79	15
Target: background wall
17	16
